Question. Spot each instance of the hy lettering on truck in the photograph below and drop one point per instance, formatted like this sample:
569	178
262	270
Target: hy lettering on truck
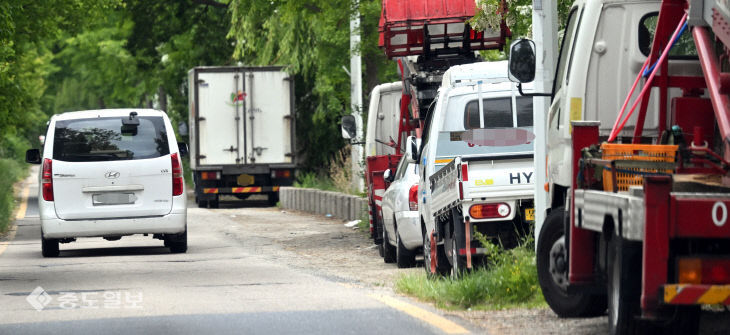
519	177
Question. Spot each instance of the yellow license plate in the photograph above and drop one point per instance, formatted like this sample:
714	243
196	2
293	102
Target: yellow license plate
530	214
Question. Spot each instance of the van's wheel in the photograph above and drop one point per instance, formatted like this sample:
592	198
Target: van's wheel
624	286
433	252
404	258
178	243
49	247
552	272
389	252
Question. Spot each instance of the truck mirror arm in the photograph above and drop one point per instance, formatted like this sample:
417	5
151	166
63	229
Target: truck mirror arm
519	88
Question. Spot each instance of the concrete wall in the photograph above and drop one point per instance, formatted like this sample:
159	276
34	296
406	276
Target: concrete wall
339	205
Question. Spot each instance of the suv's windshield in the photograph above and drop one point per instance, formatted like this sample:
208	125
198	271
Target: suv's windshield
102	139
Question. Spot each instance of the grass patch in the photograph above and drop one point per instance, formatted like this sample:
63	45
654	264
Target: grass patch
10	172
509	281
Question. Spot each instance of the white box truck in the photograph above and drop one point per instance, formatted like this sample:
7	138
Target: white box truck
242	132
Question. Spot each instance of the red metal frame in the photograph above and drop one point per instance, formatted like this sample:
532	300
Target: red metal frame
376	166
581	241
655	254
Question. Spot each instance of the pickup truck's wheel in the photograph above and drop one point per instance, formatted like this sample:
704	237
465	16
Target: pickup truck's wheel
178	244
624	286
404	258
49	247
552	273
389	252
458	263
434	253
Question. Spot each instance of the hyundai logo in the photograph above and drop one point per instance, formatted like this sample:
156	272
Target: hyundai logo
111	175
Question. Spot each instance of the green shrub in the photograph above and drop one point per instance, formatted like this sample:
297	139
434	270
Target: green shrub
10	172
510	280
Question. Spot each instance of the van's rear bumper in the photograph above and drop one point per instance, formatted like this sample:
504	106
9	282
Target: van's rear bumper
167	224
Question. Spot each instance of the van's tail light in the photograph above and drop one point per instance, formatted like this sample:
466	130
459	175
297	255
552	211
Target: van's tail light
47	179
177	175
704	271
413	198
490	211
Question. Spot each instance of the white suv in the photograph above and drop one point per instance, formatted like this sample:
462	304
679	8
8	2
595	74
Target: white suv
111	173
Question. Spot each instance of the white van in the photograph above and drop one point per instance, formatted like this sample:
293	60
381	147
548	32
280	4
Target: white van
111	173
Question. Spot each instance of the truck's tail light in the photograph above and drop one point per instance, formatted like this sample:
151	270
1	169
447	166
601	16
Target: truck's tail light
177	175
47	179
704	271
464	172
281	174
413	198
490	211
210	175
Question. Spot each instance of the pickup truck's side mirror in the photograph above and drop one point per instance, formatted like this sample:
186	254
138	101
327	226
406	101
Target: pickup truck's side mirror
348	126
183	148
388	176
33	156
411	149
522	61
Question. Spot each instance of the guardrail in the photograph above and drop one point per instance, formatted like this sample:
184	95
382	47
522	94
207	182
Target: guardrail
339	205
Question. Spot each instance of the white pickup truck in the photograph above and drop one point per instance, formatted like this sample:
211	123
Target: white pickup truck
476	169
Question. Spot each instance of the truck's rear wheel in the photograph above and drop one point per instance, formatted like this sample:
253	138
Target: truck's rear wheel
389	252
552	273
433	252
624	286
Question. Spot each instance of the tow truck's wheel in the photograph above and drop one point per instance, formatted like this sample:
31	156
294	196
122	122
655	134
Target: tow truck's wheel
624	286
404	258
552	273
49	247
389	252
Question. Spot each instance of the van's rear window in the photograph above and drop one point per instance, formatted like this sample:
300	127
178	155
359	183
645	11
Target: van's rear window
102	139
497	113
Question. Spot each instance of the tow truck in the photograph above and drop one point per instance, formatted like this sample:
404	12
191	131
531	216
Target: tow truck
638	138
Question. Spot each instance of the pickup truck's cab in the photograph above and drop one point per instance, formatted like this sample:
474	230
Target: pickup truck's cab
496	145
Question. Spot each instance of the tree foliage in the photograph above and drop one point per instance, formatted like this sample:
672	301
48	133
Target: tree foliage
311	38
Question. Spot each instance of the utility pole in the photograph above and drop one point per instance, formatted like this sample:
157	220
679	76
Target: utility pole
356	97
545	33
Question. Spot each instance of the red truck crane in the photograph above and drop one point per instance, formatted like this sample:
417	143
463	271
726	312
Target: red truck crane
425	38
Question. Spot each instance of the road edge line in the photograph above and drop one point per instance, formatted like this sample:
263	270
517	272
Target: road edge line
438	321
5	242
23	203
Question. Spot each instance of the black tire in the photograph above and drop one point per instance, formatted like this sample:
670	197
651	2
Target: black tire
178	244
273	198
624	286
404	258
214	203
560	301
442	264
458	263
202	204
49	247
389	251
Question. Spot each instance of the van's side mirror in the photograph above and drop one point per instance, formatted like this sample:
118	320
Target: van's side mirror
522	61
349	127
411	149
33	156
183	148
388	176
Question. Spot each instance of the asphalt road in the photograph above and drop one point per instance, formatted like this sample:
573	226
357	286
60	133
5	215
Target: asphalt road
224	284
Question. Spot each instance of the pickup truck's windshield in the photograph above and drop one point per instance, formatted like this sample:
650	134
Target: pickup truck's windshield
102	139
502	128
